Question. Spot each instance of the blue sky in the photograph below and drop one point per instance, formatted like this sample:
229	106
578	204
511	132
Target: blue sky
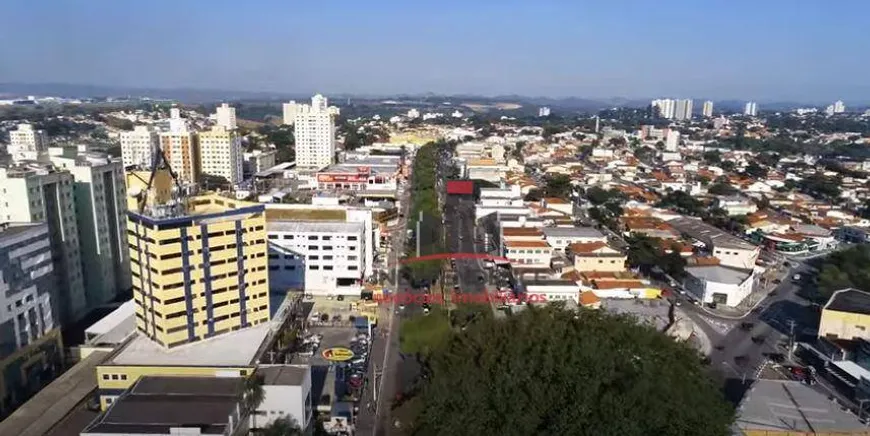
809	50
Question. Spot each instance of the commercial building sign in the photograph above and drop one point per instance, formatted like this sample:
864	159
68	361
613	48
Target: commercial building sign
341	178
337	354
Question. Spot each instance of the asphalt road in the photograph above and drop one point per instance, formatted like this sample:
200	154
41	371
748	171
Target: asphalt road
739	354
460	224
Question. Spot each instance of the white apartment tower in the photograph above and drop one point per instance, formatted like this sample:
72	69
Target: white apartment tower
289	111
707	109
672	142
39	193
544	111
225	116
25	142
839	107
751	109
138	146
180	145
683	109
220	154
315	134
665	107
100	198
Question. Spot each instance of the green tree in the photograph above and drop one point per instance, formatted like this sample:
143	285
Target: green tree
253	397
843	269
557	372
713	157
756	170
597	196
720	188
283	426
558	185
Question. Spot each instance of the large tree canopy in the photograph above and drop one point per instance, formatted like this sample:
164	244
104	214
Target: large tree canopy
555	372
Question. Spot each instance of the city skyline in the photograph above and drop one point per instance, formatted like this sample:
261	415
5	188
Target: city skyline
803	52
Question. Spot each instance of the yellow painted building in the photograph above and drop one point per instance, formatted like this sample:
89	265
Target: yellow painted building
846	315
201	274
596	256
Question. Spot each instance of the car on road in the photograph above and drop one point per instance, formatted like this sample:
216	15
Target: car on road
746	326
777	281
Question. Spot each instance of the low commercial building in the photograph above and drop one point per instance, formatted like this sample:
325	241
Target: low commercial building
561	237
309	216
720	284
30	345
173	406
552	290
325	258
729	249
286	393
596	256
233	355
528	254
374	173
846	315
737	205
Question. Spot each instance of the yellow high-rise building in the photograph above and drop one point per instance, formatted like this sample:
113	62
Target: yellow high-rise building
201	274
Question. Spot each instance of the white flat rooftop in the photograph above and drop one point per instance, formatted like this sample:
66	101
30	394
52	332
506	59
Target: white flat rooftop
238	348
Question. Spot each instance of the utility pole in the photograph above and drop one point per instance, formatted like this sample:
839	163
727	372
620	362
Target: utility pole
419	220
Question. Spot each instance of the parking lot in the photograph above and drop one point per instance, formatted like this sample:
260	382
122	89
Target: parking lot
340	380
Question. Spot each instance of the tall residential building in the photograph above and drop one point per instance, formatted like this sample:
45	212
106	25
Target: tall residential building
672	143
683	109
182	151
138	146
707	110
750	109
225	115
25	142
220	154
315	134
40	193
201	273
30	348
839	107
100	195
176	122
544	111
664	107
289	112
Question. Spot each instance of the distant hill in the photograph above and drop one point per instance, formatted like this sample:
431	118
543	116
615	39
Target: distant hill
194	96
